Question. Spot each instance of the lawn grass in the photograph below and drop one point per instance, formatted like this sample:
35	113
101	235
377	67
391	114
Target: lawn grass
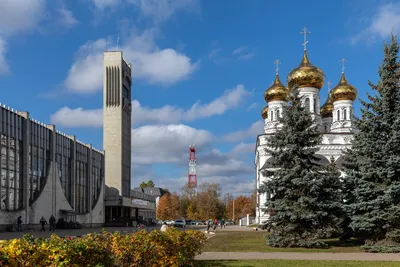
256	242
294	263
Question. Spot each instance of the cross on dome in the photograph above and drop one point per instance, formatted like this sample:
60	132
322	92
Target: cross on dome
305	32
277	62
329	85
343	60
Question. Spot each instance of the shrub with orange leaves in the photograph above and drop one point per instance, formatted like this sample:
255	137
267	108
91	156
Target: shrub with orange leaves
147	249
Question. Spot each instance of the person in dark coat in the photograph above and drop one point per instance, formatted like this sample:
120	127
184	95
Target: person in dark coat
52	222
43	222
19	224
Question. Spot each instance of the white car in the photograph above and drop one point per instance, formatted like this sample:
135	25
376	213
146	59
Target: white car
180	223
170	222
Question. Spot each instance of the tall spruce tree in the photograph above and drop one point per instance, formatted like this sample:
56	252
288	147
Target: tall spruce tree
372	185
305	197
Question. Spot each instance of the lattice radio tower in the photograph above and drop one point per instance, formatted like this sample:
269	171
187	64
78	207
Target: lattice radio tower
192	178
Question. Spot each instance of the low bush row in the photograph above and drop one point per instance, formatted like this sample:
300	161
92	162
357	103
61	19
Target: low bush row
155	248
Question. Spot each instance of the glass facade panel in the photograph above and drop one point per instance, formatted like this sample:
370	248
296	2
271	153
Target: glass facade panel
80	190
11	158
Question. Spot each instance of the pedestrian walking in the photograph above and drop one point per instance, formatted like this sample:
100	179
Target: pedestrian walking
19	224
209	222
223	223
164	227
215	224
43	222
52	222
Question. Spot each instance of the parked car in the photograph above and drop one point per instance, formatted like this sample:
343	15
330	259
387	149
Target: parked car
180	223
229	223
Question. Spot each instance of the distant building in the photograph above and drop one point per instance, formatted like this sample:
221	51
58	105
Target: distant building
120	204
334	119
157	192
45	172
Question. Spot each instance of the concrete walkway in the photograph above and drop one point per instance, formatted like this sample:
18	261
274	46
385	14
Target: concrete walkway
298	256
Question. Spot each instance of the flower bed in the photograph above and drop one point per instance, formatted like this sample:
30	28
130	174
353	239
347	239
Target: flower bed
155	248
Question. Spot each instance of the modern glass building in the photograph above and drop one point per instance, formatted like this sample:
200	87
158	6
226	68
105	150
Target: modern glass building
45	172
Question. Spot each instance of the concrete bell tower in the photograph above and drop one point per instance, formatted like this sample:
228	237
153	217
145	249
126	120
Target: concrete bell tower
117	112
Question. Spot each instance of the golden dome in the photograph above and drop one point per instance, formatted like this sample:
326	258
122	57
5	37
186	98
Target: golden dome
276	92
327	108
264	112
306	75
344	90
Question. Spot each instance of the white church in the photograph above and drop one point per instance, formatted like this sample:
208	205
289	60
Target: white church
334	117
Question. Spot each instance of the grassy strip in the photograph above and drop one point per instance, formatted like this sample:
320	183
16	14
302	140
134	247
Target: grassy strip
256	242
294	263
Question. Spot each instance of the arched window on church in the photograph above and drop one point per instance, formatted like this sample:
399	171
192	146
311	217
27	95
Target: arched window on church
272	115
277	114
344	114
307	104
338	115
315	105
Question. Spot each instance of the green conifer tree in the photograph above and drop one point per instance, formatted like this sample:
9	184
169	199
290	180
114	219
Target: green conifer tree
305	197
372	183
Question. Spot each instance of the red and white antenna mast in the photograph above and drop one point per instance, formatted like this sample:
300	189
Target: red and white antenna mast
192	178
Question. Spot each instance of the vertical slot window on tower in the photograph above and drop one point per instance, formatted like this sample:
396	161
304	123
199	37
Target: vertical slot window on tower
307	104
338	115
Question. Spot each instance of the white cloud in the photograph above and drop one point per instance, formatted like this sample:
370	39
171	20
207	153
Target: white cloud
78	117
20	15
386	20
86	74
166	143
239	50
243	53
252	106
160	10
254	130
17	16
214	53
102	4
4	68
243	148
154	65
232	98
67	18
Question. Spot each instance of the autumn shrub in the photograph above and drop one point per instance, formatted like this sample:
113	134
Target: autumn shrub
147	249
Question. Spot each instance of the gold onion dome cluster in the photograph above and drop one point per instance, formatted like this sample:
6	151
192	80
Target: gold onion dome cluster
276	92
344	91
306	75
264	112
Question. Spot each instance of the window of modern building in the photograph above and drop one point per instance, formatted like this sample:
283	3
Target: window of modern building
82	185
11	159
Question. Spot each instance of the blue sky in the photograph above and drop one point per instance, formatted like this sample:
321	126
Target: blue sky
199	69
